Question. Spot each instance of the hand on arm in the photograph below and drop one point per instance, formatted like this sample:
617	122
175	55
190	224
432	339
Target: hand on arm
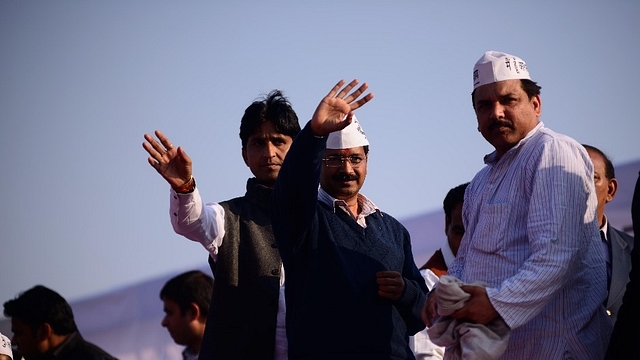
173	164
338	104
390	284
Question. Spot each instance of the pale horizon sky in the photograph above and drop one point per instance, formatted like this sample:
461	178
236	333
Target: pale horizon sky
82	81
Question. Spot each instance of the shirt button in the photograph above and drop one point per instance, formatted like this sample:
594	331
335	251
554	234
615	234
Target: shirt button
608	312
175	214
275	272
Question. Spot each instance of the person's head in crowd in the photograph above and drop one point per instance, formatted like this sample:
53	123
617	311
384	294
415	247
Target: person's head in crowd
41	320
604	178
453	226
186	300
267	129
506	101
6	353
345	162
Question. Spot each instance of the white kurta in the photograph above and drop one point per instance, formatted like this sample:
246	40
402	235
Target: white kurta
531	234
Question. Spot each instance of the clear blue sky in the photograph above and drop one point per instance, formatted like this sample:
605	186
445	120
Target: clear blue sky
82	81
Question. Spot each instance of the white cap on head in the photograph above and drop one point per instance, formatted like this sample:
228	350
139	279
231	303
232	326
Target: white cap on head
496	66
5	346
350	137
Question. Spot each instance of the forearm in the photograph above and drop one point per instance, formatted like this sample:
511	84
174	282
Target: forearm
196	221
294	197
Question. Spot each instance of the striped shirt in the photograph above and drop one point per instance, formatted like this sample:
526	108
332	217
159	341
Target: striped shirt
532	236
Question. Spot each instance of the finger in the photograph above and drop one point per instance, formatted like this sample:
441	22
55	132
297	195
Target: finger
151	149
159	148
153	144
184	158
164	140
470	289
389	283
462	313
426	314
347	88
356	93
387	274
335	89
359	103
387	293
153	162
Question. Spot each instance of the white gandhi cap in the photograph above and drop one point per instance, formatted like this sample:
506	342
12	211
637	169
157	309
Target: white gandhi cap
5	346
496	66
350	137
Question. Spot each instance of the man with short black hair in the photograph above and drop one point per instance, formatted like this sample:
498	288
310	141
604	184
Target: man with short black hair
44	328
438	264
617	244
186	299
246	319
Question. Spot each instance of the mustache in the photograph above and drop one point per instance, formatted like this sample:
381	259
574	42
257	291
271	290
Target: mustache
344	177
500	123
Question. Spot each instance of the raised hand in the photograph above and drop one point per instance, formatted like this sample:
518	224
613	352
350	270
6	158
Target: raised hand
335	111
173	164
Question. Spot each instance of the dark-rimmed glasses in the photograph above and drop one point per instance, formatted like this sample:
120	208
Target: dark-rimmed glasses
337	160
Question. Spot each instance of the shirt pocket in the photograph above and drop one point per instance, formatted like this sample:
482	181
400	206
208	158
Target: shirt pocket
492	229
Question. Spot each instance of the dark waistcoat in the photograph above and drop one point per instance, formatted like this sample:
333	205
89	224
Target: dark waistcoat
244	304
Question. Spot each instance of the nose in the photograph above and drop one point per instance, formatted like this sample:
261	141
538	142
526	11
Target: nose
270	150
346	166
164	322
497	111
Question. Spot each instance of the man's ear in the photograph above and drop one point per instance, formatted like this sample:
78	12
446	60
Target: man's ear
193	312
244	156
612	188
44	331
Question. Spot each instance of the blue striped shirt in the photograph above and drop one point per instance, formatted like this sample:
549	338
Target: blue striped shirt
532	236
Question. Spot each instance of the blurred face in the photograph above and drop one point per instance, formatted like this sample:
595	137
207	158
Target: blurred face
178	324
505	113
29	341
265	151
454	229
344	181
605	188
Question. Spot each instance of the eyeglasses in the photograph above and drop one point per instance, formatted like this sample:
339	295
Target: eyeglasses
337	161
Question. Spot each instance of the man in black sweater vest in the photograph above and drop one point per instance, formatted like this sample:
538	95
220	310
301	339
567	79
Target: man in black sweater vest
246	318
353	290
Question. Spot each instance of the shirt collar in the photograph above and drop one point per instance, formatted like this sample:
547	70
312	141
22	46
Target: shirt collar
70	341
492	158
189	354
605	227
447	254
367	207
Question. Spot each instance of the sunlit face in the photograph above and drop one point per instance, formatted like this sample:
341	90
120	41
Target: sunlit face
605	188
177	323
505	113
27	339
344	182
265	152
454	229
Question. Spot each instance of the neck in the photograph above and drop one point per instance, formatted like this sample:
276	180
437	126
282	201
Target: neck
353	205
